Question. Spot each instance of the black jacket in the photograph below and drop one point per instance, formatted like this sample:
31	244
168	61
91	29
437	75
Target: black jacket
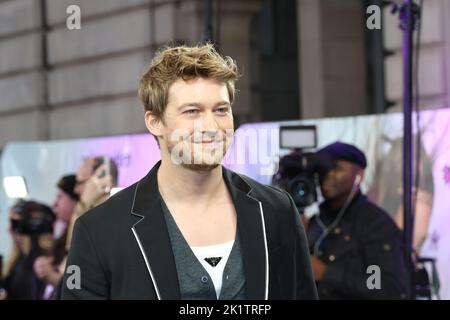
123	250
365	236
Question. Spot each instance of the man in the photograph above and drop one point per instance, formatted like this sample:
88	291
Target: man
94	180
46	267
191	229
355	246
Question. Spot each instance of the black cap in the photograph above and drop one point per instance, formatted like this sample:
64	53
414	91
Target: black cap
67	184
345	151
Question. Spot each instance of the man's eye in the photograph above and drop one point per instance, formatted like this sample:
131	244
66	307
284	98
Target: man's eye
191	112
222	110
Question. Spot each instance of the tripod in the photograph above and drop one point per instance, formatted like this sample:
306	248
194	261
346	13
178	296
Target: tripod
409	14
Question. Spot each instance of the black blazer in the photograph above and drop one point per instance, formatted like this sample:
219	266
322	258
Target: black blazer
123	251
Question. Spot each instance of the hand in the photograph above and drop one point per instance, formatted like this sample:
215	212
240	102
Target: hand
305	221
318	267
3	294
43	267
96	187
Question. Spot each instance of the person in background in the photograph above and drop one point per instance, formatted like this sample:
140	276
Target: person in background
31	228
94	180
387	189
351	238
48	268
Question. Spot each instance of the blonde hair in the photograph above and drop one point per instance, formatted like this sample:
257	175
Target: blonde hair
182	62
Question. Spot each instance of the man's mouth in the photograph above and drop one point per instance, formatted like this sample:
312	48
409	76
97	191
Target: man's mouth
208	142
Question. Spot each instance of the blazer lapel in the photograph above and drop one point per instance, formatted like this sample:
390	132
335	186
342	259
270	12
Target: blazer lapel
251	225
153	238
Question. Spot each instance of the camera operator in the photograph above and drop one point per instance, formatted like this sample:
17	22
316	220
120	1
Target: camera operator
31	227
350	234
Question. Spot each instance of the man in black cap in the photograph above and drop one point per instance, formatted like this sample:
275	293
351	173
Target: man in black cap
355	246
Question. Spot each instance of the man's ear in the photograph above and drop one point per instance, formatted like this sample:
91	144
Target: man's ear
153	123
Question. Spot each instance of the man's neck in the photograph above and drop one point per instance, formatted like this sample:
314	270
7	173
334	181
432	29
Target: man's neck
180	184
338	203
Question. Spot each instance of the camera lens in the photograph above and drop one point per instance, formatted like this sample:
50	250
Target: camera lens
302	191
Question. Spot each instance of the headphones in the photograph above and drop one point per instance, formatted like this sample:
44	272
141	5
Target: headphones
357	181
327	229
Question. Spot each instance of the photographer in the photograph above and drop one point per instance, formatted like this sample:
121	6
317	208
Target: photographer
350	234
31	227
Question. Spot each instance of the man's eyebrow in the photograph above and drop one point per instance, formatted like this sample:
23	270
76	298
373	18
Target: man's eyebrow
222	103
190	104
200	105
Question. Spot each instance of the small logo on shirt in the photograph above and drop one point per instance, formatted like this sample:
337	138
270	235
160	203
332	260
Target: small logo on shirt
213	261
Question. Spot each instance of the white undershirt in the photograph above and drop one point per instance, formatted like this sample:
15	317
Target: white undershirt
219	250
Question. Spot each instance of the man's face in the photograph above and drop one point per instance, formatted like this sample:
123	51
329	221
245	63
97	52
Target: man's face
339	181
83	175
197	126
64	206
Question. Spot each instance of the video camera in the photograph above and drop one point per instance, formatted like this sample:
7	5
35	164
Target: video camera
300	171
35	218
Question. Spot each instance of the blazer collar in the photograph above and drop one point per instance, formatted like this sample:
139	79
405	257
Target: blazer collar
153	238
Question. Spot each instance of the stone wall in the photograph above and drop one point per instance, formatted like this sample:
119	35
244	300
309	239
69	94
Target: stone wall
90	86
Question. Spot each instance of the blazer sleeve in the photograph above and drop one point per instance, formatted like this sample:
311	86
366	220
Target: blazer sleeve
305	286
84	263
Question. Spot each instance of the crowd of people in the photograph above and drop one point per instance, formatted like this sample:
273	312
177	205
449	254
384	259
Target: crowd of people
41	234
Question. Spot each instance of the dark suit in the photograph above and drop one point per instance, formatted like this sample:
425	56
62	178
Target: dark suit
123	249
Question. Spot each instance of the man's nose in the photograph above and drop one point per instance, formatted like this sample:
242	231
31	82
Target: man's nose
209	123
